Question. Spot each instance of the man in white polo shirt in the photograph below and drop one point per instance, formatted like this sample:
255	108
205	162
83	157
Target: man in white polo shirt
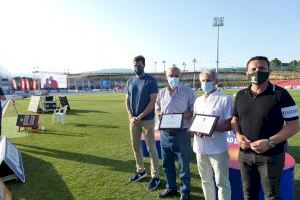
212	152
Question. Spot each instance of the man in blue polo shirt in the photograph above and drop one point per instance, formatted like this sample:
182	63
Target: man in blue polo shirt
264	117
140	100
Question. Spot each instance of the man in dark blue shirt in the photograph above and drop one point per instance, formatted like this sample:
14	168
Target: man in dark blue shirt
140	100
2	97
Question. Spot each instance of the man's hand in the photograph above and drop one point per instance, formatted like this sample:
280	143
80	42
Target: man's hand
243	141
260	146
201	135
135	120
159	115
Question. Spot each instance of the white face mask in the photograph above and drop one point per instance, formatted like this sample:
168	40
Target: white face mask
173	82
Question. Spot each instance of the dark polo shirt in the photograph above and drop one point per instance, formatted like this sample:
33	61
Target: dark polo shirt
262	116
139	91
1	94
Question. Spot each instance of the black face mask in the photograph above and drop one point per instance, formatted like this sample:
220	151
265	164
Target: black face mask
258	77
139	70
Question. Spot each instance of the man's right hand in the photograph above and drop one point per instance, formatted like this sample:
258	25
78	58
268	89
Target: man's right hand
135	120
243	141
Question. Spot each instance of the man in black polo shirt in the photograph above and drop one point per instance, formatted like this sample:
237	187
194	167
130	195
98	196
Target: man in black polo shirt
264	117
2	97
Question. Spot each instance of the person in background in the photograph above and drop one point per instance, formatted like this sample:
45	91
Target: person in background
47	83
2	97
53	83
264	117
212	152
140	101
176	144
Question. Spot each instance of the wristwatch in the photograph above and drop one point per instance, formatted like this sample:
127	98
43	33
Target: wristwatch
271	143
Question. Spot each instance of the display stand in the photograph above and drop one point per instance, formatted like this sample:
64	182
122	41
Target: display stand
28	121
11	163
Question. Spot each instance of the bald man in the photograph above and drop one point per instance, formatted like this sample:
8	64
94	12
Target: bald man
176	143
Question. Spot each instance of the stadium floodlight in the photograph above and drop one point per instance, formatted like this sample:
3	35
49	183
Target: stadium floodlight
184	64
164	62
194	78
217	22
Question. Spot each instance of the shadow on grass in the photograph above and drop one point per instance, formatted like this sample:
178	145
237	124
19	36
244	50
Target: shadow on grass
93	125
297	189
39	185
59	133
78	112
295	152
113	164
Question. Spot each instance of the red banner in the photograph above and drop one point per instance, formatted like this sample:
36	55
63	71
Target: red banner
22	84
14	84
34	84
27	84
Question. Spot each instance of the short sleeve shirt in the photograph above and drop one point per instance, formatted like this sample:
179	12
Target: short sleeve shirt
262	116
1	93
217	104
181	101
139	91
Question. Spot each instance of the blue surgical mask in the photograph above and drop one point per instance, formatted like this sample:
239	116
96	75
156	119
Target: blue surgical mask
207	87
173	82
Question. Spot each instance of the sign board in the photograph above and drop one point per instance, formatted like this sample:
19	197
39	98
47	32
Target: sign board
27	121
4	192
64	101
11	163
34	103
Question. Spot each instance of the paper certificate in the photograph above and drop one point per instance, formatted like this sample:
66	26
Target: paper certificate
204	124
170	121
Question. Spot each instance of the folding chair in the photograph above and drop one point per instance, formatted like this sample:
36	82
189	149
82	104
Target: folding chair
60	114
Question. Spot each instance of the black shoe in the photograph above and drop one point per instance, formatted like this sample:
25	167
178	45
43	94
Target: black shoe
153	184
185	197
168	193
138	176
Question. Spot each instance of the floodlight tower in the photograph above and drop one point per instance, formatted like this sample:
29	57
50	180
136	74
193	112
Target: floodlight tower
194	78
164	62
184	64
217	22
155	63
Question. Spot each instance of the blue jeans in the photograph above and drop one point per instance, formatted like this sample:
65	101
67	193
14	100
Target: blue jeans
176	145
261	170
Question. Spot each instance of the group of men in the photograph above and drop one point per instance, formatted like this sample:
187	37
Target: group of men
263	116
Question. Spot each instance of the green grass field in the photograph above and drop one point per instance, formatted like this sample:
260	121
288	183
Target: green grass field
90	157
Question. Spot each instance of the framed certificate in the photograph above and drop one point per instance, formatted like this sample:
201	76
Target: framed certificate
204	124
170	121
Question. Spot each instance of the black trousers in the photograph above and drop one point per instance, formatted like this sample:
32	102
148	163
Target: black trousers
260	170
0	121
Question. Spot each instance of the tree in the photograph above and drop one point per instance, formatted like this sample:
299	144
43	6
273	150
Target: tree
275	62
294	63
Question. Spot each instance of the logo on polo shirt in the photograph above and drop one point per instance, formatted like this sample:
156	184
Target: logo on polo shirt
289	112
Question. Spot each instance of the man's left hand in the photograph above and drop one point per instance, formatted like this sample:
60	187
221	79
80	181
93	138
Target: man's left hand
260	146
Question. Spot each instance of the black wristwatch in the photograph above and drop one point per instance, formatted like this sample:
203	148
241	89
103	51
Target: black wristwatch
271	143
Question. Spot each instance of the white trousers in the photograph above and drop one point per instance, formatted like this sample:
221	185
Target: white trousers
213	170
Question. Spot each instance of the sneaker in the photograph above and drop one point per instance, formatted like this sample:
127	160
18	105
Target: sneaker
153	184
138	176
185	197
168	193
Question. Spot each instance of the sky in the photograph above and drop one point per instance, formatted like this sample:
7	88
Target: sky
87	35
